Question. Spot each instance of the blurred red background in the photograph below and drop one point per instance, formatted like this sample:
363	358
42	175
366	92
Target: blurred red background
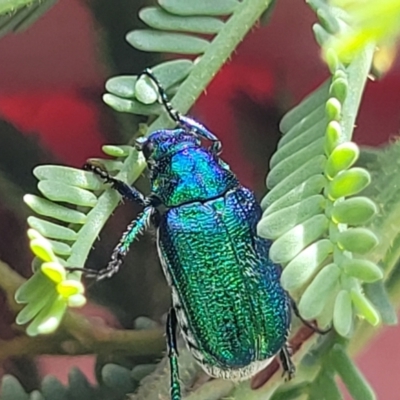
52	76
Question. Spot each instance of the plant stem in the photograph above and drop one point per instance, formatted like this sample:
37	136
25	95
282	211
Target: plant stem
81	335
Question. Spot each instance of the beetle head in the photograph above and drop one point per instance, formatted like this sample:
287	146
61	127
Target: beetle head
165	143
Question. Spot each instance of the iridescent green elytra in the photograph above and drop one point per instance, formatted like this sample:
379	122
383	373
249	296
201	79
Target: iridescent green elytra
226	292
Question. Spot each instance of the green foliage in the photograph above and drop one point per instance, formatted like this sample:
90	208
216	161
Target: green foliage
116	382
67	185
371	22
321	210
67	241
17	15
51	289
319	237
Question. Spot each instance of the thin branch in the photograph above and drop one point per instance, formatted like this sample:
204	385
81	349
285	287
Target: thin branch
78	334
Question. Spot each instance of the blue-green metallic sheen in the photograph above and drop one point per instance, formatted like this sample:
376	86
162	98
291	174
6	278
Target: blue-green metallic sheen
227	295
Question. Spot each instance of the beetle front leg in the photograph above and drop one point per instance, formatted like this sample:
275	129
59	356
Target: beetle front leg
173	355
126	191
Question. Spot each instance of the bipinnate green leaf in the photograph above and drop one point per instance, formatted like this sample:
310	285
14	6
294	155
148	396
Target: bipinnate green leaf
294	162
56	191
52	230
45	207
49	318
36	395
52	388
169	73
299	141
18	15
377	293
79	386
308	130
166	42
34	306
32	288
48	293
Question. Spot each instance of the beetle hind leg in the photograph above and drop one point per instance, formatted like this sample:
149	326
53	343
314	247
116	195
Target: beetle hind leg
312	326
173	355
288	367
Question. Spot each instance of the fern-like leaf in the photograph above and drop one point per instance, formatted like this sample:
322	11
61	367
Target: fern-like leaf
317	228
64	236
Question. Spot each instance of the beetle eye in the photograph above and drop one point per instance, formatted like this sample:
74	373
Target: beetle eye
145	146
147	149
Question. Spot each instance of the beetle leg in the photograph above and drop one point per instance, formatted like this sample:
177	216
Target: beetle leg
126	191
305	322
122	248
173	355
287	364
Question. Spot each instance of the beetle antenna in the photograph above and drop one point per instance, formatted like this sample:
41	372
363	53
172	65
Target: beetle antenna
186	123
174	114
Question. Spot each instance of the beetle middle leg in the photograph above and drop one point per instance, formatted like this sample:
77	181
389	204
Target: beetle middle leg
137	226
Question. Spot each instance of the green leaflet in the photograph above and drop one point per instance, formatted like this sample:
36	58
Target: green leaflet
307	211
304	265
343	314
